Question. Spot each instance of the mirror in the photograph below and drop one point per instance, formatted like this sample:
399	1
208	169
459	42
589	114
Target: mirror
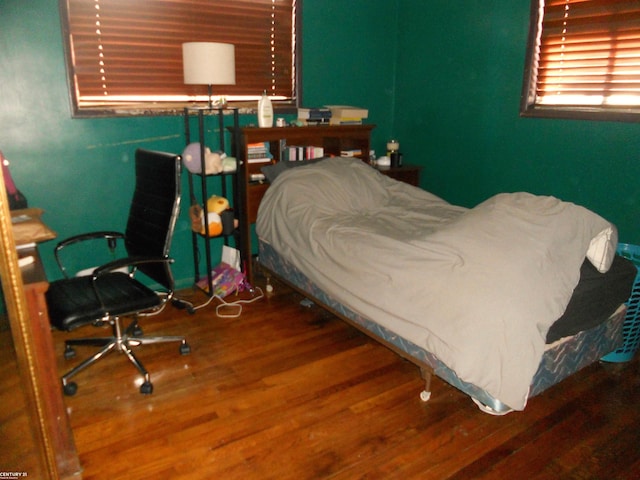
36	437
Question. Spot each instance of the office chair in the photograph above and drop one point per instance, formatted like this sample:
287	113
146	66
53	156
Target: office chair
114	290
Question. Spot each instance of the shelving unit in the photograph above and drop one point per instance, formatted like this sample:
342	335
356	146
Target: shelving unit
198	115
333	139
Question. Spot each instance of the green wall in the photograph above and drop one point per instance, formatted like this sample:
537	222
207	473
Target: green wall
459	77
443	77
349	50
80	170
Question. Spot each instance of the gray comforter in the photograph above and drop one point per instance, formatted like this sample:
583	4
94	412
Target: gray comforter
477	287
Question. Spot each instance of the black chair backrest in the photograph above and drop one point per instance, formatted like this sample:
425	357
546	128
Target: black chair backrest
154	211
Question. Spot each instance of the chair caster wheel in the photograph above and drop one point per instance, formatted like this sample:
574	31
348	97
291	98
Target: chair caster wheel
70	388
137	332
69	352
185	349
146	388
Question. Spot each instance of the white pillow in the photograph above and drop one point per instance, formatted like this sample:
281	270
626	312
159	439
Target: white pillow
602	248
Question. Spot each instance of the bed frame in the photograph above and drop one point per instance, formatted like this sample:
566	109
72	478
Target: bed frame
561	359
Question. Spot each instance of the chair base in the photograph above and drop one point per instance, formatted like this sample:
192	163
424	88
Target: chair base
122	342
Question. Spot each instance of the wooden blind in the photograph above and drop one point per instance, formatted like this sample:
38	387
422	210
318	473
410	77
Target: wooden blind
131	50
586	53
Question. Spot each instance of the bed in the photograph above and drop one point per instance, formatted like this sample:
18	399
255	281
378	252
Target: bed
480	297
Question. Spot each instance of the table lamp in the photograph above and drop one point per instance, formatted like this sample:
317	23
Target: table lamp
209	63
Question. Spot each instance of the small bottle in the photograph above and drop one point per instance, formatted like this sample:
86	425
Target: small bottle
265	111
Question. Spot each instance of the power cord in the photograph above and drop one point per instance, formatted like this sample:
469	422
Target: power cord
191	308
237	304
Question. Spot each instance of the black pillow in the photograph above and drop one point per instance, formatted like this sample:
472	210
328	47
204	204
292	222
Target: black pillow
595	298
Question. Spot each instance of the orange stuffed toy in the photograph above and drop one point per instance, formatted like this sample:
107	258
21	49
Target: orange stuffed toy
215	206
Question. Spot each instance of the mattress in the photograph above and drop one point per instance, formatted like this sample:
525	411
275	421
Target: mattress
560	359
478	287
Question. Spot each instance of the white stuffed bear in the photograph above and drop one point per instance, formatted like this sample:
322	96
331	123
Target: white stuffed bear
212	160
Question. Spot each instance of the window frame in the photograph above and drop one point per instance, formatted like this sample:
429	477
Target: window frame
528	105
152	108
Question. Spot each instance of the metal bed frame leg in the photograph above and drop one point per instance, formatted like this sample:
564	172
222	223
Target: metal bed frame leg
426	373
269	287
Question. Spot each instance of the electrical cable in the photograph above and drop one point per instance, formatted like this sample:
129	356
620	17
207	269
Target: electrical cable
191	308
237	303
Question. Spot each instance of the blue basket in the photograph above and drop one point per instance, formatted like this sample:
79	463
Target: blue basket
631	326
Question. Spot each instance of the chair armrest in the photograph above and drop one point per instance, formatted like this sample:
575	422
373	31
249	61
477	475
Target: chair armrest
110	236
128	262
88	236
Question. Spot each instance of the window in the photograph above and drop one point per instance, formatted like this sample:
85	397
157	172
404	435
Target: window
583	60
124	57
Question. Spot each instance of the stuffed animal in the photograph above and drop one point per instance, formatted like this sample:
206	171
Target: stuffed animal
229	164
215	206
214	224
212	160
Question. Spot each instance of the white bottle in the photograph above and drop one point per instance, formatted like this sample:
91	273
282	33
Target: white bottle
265	112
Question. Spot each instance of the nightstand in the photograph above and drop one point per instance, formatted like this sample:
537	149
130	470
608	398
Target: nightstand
407	173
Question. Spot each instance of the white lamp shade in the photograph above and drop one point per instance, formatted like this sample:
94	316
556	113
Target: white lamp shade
208	63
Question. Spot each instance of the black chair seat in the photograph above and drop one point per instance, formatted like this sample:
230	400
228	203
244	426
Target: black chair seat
73	302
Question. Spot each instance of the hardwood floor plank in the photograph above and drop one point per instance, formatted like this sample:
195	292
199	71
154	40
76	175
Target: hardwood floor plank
289	392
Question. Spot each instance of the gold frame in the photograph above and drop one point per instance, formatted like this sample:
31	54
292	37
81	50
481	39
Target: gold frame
19	321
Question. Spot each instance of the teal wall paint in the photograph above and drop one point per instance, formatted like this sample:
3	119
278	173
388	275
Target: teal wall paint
349	50
443	77
459	79
80	170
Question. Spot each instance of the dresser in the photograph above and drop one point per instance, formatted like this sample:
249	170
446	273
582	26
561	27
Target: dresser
53	411
407	173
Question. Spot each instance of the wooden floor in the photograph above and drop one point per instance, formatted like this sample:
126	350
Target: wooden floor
290	392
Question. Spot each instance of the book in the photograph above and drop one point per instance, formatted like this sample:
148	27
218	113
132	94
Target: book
347	111
259	153
314	113
296	153
345	121
259	160
353	152
312	122
258	147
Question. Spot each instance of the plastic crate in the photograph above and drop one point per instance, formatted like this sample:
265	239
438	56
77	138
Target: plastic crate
631	326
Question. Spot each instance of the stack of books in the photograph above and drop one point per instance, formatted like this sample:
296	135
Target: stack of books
347	115
314	116
259	153
294	153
